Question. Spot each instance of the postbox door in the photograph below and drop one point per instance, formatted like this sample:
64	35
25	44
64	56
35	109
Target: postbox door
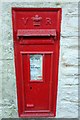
37	73
37	77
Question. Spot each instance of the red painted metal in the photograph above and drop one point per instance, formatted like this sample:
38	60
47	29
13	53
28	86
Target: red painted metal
36	31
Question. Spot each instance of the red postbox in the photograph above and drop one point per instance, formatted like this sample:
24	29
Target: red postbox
36	33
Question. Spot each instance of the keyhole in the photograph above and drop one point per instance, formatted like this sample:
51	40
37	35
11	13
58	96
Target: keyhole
30	88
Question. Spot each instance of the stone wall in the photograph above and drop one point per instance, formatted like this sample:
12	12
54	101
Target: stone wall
67	103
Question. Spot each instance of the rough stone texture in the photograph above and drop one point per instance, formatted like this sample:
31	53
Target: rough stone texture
67	102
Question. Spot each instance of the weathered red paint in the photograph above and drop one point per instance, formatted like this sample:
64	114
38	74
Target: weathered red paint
36	31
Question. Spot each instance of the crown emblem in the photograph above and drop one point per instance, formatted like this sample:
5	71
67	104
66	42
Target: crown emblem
36	20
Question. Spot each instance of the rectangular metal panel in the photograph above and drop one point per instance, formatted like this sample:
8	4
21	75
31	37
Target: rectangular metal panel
36	89
36	32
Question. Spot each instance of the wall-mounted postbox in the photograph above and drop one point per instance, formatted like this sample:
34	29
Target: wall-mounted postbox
36	33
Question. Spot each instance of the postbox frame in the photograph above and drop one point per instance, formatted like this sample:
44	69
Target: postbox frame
20	88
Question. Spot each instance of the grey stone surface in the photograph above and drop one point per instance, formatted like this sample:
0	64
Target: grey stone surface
67	102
